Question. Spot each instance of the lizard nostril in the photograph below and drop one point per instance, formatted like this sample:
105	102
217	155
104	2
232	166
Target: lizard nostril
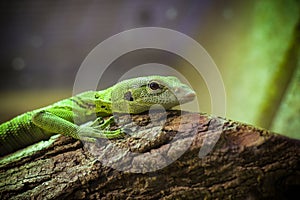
177	90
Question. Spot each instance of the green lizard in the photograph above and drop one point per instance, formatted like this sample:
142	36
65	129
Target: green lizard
67	117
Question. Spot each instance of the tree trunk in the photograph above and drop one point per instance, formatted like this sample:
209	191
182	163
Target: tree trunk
169	155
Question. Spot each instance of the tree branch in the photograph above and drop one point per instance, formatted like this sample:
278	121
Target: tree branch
169	155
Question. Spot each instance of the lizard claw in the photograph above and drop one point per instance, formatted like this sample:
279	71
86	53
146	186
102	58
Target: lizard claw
91	132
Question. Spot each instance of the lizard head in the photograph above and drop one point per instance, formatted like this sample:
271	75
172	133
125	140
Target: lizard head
139	94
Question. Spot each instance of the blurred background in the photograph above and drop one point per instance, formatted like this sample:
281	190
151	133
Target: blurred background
255	45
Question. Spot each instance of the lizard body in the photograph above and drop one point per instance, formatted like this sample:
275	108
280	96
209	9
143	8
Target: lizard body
68	116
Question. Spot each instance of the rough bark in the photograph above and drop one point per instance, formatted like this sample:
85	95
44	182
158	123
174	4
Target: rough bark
245	163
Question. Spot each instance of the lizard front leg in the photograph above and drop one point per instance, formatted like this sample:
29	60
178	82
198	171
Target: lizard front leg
59	120
100	128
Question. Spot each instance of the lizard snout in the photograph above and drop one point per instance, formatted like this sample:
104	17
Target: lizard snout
184	94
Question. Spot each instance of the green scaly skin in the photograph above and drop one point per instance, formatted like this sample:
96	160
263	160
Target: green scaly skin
74	116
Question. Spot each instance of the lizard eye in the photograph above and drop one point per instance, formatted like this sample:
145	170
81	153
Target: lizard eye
154	86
